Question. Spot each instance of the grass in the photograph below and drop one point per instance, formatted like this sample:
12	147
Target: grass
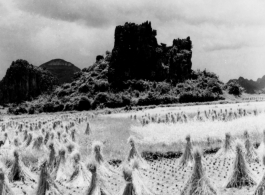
155	133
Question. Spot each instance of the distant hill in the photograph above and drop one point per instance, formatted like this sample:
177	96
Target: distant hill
251	86
137	72
24	81
61	69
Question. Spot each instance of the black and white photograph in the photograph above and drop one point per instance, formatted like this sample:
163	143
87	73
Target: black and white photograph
132	97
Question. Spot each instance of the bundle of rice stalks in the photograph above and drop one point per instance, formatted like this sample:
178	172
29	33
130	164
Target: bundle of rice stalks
128	189
98	158
88	130
135	154
241	175
260	190
25	135
7	142
18	171
4	188
29	139
139	182
51	136
96	148
58	172
198	182
46	139
80	175
37	143
51	163
227	149
16	142
250	155
97	185
187	158
73	135
59	135
70	147
261	149
46	184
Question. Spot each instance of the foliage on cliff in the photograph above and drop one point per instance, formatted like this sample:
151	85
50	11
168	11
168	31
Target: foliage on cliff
24	81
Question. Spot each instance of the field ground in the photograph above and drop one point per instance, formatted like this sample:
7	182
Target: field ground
165	175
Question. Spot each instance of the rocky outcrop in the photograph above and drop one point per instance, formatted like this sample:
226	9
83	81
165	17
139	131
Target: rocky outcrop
64	71
251	86
24	81
137	55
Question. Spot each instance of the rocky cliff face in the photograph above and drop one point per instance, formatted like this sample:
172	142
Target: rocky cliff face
251	86
61	69
24	81
137	55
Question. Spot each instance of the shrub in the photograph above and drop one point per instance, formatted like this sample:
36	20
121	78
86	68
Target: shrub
58	107
136	93
84	88
163	87
66	86
68	107
101	86
101	97
83	104
31	110
234	88
139	85
63	93
48	107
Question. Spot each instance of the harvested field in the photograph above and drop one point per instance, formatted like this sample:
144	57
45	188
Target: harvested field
175	152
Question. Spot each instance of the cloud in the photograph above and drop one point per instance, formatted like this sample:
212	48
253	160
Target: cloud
77	31
98	13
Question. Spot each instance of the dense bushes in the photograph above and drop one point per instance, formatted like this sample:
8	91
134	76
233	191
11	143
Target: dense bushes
84	88
92	91
234	88
83	104
156	99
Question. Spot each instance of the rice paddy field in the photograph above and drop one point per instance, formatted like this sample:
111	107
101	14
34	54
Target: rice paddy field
196	150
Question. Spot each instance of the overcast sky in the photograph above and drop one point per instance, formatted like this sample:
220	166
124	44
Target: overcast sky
228	35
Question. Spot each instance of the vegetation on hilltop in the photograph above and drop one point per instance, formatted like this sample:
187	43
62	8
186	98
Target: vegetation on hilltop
91	90
24	81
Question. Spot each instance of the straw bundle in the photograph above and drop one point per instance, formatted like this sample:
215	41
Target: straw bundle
92	187
251	155
4	188
25	135
96	147
198	184
88	130
241	175
38	142
129	188
227	149
16	173
46	184
260	190
134	154
187	157
73	135
46	139
51	163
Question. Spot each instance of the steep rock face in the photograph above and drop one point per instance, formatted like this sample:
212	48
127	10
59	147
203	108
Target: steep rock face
24	81
137	55
61	69
251	86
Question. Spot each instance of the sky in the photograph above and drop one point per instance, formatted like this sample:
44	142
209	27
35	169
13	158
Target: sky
228	36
